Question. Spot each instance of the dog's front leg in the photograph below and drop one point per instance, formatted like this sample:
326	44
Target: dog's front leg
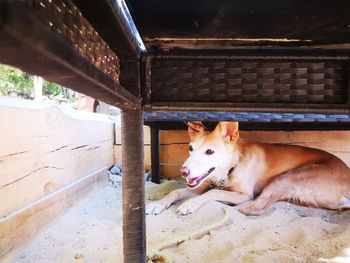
229	197
156	207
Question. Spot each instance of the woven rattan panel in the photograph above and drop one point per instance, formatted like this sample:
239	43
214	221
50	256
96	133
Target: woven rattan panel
246	117
65	19
248	81
251	120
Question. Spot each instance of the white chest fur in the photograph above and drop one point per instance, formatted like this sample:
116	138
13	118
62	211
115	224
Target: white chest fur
246	174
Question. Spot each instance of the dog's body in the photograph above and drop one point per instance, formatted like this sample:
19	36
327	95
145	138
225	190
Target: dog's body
244	170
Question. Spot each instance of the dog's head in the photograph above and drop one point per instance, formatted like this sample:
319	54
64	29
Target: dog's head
212	153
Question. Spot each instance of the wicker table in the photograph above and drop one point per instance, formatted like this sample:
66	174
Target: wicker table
193	60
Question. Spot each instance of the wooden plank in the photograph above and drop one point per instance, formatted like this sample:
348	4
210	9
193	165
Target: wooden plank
146	134
147	155
19	227
174	145
168	137
326	140
174	153
335	138
117	154
170	171
44	148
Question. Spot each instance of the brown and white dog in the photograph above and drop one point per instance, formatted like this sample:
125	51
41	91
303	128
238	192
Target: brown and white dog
225	168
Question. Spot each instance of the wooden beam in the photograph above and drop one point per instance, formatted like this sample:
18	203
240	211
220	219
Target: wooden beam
29	44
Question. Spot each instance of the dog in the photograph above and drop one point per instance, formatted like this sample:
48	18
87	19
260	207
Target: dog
225	168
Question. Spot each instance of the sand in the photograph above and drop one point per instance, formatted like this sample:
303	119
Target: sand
91	231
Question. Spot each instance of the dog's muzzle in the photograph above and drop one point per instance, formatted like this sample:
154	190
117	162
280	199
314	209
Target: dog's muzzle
193	182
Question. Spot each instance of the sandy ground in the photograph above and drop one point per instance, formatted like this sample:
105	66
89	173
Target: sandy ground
91	231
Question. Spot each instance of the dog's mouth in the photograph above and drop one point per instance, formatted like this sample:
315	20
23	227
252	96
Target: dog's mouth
193	182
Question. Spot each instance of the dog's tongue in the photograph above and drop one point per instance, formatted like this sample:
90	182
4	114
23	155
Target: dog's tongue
191	181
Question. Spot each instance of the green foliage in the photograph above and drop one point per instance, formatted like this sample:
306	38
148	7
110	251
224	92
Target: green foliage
14	82
52	89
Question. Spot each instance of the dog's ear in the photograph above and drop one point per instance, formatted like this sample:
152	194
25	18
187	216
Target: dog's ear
228	130
194	128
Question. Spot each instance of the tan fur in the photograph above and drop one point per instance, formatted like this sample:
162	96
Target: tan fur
262	174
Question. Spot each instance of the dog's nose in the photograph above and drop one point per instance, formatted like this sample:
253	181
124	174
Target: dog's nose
185	171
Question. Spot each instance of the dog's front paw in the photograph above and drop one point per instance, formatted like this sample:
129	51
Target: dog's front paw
155	208
189	207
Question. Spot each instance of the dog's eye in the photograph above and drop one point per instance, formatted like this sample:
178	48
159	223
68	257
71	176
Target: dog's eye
209	152
190	148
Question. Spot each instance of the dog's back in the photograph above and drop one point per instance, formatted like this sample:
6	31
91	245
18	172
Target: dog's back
303	175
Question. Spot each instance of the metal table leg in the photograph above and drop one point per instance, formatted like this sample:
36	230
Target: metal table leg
155	155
